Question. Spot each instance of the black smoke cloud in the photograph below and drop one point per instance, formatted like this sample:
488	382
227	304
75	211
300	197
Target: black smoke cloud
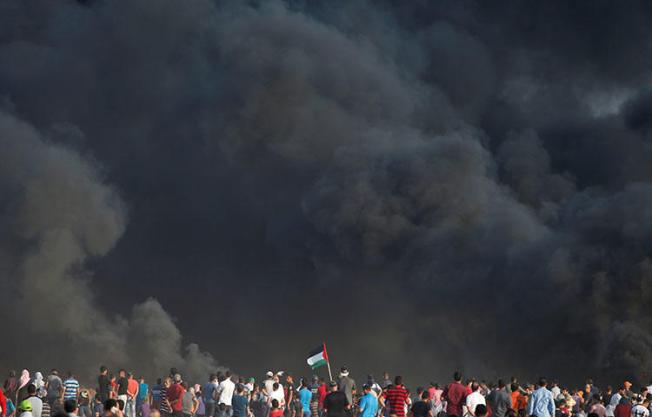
424	185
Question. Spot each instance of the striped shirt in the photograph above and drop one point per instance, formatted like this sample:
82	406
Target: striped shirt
163	408
70	387
396	398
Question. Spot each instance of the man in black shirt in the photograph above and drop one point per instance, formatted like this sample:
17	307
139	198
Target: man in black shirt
103	384
123	384
422	407
336	404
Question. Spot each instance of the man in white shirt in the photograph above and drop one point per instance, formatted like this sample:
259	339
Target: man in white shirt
642	409
473	399
268	383
278	394
37	404
227	387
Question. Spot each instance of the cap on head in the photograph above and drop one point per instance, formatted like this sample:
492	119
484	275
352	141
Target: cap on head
177	377
270	374
25	405
333	384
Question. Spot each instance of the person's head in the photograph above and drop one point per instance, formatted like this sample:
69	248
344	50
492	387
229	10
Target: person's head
475	386
121	405
425	396
159	381
167	382
501	384
480	410
130	375
648	399
112	377
212	378
12	374
289	378
70	406
398	380
185	385
154	413
54	371
514	387
110	404
70	375
385	375
122	373
141	379
457	376
274	403
103	370
239	389
333	386
25	406
31	390
177	378
366	388
543	382
269	374
589	381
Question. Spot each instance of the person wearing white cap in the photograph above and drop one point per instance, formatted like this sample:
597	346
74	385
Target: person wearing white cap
268	383
346	384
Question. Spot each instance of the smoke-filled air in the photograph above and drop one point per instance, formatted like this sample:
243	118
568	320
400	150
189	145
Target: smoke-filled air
423	185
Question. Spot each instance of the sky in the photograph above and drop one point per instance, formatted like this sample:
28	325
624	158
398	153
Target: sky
425	186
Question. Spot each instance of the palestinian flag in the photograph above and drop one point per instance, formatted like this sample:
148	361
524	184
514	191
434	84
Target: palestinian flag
318	357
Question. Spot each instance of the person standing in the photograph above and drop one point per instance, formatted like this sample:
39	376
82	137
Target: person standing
21	394
305	397
37	404
54	388
240	403
209	393
70	388
142	399
396	398
499	400
473	399
122	386
422	407
346	384
541	403
227	388
164	405
103	384
175	396
368	405
132	393
455	396
336	404
11	386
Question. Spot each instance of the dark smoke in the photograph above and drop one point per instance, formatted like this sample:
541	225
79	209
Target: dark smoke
423	185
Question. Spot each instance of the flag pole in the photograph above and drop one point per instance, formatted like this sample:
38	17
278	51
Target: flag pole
328	363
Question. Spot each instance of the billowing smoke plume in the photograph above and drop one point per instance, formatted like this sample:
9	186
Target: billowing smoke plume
56	214
424	185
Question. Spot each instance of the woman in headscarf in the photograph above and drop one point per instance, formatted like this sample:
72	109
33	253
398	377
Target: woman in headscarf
23	382
38	382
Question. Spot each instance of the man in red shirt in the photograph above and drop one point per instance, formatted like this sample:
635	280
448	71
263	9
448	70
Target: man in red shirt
175	396
322	391
455	396
396	397
132	393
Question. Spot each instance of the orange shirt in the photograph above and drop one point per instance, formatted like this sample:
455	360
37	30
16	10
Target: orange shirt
519	401
132	387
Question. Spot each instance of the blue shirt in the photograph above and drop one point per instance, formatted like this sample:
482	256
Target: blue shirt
142	391
541	403
239	405
305	395
368	405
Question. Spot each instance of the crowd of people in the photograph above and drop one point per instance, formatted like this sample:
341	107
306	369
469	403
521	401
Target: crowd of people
278	395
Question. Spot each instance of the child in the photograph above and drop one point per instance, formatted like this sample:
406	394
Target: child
276	411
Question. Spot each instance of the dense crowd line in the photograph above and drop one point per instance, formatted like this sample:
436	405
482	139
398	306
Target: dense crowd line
278	395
